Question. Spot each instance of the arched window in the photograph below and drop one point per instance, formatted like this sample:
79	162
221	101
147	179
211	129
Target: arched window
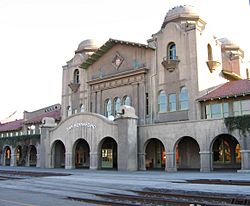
127	101
162	102
209	52
108	108
82	108
171	51
117	104
172	102
183	98
69	111
76	76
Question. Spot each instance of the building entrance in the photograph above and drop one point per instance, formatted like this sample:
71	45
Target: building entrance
109	154
82	154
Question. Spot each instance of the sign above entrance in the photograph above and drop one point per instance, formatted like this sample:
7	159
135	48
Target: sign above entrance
81	124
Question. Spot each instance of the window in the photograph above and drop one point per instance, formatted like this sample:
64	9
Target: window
117	104
127	101
241	107
172	102
183	99
171	51
82	108
69	111
162	102
209	52
108	108
217	110
147	104
76	76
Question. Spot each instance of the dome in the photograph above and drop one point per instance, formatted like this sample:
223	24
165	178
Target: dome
87	45
184	12
227	42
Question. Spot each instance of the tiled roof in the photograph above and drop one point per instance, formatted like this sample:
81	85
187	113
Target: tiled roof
11	126
56	114
229	89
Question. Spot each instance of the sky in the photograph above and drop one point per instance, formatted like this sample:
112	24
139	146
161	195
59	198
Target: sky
38	37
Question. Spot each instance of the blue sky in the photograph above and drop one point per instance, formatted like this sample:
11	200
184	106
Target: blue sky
38	37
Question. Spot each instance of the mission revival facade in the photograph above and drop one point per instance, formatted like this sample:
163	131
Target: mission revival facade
160	105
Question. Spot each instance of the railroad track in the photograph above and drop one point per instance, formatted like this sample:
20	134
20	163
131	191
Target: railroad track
167	198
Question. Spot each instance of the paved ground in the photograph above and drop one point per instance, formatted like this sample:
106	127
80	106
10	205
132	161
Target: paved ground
19	190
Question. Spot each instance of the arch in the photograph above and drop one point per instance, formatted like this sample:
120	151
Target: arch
171	51
187	154
32	156
108	153
226	152
81	154
7	156
162	101
155	155
76	76
58	154
183	98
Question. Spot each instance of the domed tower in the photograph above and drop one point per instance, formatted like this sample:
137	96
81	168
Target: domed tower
182	73
74	86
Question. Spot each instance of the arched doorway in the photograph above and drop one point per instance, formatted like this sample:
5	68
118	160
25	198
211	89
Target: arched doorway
58	154
226	152
18	153
187	154
155	154
7	156
32	156
108	150
81	154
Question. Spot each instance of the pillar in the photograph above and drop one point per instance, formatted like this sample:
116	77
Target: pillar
93	161
170	162
142	164
68	160
245	161
205	161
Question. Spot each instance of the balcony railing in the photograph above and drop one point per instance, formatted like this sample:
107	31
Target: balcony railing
170	64
74	86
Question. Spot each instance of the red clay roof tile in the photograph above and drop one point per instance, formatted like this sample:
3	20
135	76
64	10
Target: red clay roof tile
229	89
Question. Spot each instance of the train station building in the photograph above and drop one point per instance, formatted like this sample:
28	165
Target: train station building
179	102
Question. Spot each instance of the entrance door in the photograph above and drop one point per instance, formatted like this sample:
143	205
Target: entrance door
109	154
58	153
155	154
82	154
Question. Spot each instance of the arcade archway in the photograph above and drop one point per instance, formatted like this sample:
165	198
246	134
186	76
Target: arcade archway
7	156
108	151
81	154
58	154
226	152
32	156
187	154
155	154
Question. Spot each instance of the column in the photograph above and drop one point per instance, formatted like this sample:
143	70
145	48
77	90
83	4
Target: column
205	161
93	161
142	165
170	162
245	161
68	161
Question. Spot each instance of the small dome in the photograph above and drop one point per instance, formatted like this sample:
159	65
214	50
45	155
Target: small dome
227	42
88	45
185	11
